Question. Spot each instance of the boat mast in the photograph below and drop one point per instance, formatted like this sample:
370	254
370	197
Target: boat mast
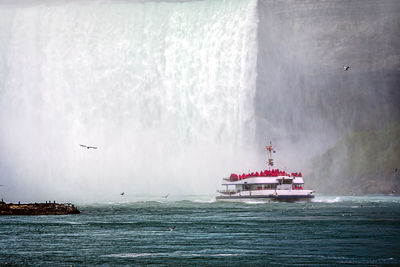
270	159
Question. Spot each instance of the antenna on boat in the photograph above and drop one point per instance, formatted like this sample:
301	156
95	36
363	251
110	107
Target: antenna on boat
270	159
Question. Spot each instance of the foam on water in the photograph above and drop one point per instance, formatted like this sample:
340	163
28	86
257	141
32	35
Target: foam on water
358	199
210	199
255	201
176	254
326	199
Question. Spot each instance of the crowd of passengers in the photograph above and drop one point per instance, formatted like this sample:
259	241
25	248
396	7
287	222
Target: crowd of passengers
265	173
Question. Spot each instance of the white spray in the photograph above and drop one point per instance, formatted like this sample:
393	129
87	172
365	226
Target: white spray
165	90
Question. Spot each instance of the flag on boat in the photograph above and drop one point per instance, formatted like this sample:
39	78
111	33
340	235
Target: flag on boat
269	148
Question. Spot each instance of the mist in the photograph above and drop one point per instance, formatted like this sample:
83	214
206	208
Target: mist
165	90
177	95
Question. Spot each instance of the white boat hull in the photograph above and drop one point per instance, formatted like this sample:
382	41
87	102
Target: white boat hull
279	195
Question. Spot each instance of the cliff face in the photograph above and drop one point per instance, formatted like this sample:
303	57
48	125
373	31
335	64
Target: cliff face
37	209
364	162
304	96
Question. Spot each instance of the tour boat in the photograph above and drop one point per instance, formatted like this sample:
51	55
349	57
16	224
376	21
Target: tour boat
271	184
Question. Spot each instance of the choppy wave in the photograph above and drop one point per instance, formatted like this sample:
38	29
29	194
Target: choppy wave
193	200
173	254
334	230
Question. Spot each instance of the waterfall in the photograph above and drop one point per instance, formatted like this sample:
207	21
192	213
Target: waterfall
164	89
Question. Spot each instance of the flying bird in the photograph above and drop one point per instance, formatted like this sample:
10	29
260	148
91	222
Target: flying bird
166	196
172	229
346	68
123	193
88	147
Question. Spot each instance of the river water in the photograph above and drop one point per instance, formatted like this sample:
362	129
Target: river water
330	230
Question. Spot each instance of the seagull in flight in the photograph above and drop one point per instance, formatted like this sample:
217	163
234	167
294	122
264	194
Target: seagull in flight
88	147
123	193
172	229
346	68
166	196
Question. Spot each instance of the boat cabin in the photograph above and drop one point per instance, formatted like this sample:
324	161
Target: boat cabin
262	183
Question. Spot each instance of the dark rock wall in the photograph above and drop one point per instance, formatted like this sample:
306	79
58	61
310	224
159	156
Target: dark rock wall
303	91
305	101
371	165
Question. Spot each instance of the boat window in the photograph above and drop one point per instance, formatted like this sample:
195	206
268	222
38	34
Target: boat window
287	181
269	186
